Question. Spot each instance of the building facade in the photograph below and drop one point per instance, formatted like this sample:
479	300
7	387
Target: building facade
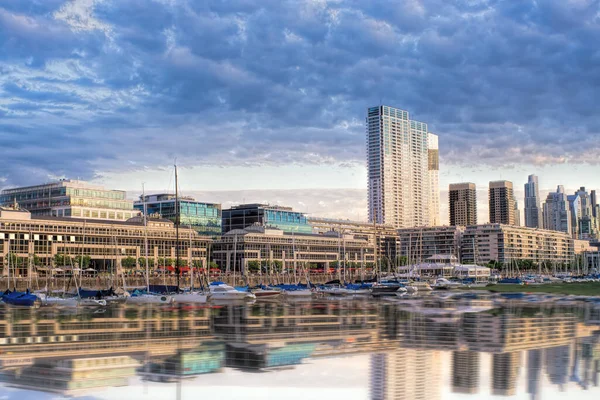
533	211
557	211
433	165
71	198
398	160
107	243
246	215
462	204
583	223
205	218
383	237
297	252
419	244
481	244
502	203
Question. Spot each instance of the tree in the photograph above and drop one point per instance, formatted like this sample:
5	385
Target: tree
253	266
213	265
63	260
197	263
277	265
83	262
402	260
142	262
128	262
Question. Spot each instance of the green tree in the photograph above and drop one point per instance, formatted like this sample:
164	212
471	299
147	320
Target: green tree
197	263
63	260
213	265
128	262
83	262
253	266
142	262
277	265
402	261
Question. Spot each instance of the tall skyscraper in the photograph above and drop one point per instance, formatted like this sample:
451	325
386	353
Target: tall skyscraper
433	166
462	201
398	154
557	211
533	211
502	203
517	213
582	220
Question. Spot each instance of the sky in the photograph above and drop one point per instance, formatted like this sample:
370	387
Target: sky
266	99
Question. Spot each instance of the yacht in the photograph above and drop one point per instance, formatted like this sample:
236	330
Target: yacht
445	284
222	291
149	298
190	297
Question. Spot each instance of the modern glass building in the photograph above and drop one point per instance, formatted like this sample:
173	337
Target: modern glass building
71	198
284	218
205	218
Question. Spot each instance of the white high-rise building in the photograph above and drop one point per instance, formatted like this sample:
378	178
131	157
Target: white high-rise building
557	211
400	187
533	211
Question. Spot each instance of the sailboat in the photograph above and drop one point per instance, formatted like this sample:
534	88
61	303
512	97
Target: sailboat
16	298
191	296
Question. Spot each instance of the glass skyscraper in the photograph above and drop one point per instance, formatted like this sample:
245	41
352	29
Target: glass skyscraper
533	211
402	171
284	218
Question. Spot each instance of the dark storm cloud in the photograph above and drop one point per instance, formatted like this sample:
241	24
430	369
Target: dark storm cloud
88	86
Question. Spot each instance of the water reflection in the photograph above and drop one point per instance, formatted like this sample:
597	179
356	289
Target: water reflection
461	346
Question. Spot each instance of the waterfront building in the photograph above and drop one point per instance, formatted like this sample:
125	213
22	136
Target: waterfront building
205	218
107	243
284	218
383	237
70	198
433	166
292	251
533	211
481	244
398	159
502	203
557	211
419	244
462	201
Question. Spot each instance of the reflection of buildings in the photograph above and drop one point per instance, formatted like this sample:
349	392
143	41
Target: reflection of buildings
262	356
505	371
557	361
465	372
405	374
534	373
71	376
206	359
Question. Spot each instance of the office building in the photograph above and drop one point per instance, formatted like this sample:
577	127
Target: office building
399	166
533	211
462	200
70	198
284	218
481	244
383	237
433	166
107	243
582	219
272	247
557	211
419	244
205	218
517	214
502	203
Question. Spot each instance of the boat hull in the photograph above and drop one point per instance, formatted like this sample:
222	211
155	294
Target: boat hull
150	299
190	298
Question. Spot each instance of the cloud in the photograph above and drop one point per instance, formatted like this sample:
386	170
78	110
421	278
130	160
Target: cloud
89	87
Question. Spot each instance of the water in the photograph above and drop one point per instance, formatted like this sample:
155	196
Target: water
458	347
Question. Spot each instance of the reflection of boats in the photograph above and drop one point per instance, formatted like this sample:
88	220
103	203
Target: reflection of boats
222	291
421	286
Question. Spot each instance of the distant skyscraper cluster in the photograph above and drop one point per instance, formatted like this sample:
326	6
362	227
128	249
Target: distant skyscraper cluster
403	169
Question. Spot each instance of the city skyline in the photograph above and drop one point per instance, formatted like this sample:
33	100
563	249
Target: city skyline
239	125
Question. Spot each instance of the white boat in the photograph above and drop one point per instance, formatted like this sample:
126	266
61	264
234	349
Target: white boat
334	290
411	289
298	293
266	293
146	298
69	301
421	286
223	291
443	283
190	297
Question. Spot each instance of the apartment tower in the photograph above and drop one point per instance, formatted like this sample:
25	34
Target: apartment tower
533	211
462	200
557	211
399	169
502	203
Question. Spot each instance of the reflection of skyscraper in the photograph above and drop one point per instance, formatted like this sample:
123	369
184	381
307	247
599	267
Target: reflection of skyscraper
405	374
505	371
557	361
465	372
534	373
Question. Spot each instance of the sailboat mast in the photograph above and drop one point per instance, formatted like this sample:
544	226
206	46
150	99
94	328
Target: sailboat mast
177	271
145	211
